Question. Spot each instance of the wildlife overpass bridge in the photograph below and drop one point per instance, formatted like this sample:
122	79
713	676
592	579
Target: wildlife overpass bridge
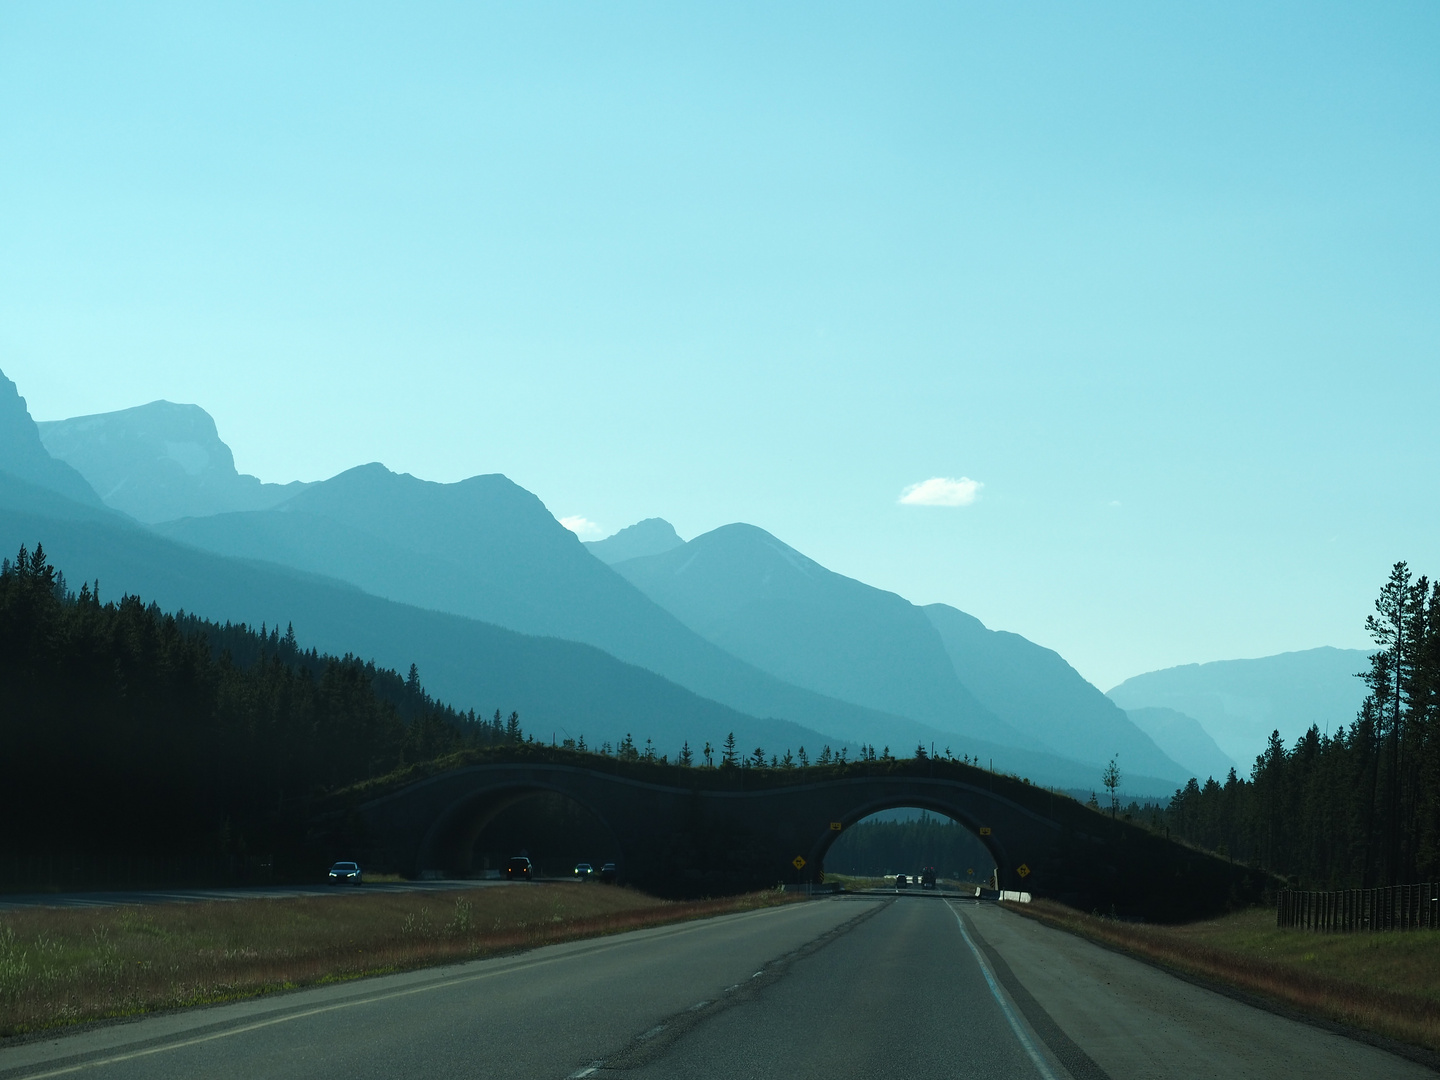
702	831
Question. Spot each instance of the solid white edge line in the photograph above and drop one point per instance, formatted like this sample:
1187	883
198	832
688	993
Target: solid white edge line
1014	1020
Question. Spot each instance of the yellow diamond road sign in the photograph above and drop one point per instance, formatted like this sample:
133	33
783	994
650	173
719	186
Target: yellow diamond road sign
1023	870
799	862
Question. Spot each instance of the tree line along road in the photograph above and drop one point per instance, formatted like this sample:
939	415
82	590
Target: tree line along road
908	986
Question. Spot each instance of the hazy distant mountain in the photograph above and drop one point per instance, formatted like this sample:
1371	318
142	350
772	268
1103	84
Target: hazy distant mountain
649	537
1033	689
159	462
23	455
1186	740
558	686
484	542
765	602
488	549
1240	702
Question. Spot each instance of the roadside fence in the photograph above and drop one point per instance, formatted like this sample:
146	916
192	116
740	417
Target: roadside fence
1397	907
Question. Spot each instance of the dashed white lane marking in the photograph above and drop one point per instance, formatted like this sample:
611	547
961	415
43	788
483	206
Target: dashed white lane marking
1010	1016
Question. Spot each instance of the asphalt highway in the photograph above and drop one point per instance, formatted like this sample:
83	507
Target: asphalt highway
906	987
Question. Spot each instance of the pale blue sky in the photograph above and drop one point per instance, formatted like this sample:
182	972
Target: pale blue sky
1164	278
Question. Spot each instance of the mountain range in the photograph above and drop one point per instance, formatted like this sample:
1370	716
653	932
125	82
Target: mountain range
761	600
1240	702
502	607
158	461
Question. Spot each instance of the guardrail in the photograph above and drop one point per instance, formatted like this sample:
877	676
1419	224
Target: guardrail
1397	907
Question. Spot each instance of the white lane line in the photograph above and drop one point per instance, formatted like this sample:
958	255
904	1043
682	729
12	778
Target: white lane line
1014	1020
443	984
288	1018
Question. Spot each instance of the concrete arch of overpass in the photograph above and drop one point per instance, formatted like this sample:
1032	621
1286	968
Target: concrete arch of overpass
709	836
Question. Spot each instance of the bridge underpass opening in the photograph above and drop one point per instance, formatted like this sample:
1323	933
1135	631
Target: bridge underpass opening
905	840
554	832
477	837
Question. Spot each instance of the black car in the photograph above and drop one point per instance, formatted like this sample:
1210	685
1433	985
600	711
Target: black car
584	871
518	869
345	873
927	878
609	873
901	881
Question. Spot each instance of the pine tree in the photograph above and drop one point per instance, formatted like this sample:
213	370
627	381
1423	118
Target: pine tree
728	756
1396	684
1111	779
687	756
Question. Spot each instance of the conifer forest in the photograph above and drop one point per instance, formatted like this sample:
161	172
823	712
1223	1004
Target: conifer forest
127	729
1358	807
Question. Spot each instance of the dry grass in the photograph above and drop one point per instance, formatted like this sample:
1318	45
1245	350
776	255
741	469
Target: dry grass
64	966
855	882
1385	983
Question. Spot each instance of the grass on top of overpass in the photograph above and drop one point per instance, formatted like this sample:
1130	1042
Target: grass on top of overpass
70	965
1383	982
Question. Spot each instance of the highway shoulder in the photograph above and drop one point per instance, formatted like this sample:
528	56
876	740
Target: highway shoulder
1135	1020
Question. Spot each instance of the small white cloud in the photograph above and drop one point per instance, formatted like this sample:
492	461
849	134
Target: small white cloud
942	491
581	526
1114	502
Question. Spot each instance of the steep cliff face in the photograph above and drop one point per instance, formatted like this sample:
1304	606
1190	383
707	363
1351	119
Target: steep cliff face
23	455
159	462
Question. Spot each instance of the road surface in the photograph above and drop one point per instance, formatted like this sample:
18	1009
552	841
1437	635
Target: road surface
906	987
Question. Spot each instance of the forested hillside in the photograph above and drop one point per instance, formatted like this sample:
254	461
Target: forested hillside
124	728
1359	807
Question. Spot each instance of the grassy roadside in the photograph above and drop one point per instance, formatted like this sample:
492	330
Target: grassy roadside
65	966
1385	983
